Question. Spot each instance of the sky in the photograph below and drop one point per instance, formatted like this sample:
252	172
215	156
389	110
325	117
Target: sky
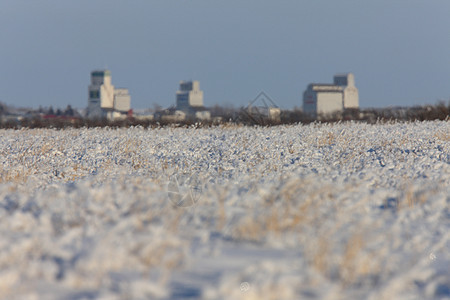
398	50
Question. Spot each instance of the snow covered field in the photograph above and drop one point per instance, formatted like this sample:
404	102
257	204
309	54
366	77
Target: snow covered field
343	211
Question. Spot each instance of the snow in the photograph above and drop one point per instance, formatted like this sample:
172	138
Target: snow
319	211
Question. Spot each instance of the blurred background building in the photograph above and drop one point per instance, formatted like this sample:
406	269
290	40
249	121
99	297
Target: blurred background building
104	100
327	99
189	101
189	95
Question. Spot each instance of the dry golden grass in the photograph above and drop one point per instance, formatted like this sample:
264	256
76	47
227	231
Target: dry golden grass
296	207
350	267
291	147
15	176
131	145
249	230
320	254
443	136
165	253
222	216
298	210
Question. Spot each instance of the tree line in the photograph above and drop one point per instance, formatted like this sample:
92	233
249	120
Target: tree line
50	118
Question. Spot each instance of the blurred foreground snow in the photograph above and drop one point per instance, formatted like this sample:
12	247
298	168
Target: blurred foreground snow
343	211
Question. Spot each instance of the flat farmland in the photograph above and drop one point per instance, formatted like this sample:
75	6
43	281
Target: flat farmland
319	211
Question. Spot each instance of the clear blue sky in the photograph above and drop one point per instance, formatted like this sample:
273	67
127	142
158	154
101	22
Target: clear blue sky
399	50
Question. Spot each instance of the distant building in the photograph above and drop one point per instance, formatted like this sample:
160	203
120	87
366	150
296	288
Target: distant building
189	100
104	100
349	91
326	99
189	95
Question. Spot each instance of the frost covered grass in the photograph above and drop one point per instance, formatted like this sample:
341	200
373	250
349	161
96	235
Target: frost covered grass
323	211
